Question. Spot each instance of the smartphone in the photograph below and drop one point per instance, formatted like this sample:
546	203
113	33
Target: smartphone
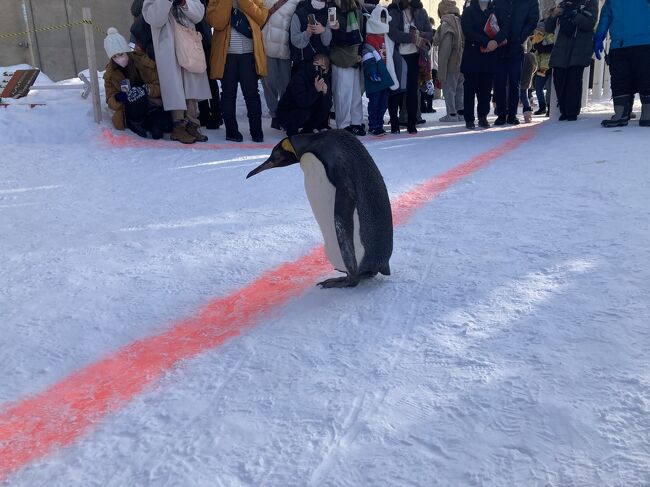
331	15
311	19
125	85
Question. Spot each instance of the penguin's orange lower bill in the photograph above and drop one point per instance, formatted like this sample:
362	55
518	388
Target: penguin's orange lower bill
32	427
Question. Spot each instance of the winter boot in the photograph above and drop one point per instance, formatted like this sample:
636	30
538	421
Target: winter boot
528	116
232	131
193	130
179	133
255	125
512	120
644	121
621	117
394	127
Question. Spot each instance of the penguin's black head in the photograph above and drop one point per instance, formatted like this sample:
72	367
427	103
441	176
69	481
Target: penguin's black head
284	154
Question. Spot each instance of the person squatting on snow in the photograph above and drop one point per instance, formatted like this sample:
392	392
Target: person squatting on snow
238	58
408	28
132	89
307	101
543	43
628	24
572	51
378	69
275	34
345	55
479	61
181	89
450	41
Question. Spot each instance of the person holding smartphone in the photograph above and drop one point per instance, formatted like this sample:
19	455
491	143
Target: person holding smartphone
310	33
307	101
345	55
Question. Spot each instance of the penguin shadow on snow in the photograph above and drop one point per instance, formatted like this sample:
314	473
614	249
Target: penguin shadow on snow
349	200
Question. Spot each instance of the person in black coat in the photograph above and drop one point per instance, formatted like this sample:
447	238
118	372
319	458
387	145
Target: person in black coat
572	51
306	103
517	20
479	61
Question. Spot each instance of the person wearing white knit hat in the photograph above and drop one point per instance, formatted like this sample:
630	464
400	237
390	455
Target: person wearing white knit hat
133	89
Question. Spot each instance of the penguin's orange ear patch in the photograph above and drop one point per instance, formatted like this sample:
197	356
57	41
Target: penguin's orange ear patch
286	145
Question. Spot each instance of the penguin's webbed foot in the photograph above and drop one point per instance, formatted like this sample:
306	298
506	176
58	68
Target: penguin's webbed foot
346	281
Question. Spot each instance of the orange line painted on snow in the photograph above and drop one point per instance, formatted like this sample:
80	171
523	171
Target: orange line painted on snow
58	416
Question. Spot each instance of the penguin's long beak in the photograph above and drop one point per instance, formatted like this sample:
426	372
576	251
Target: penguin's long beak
270	163
278	158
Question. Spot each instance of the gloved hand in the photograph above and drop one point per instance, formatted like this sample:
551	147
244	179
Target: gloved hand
599	44
177	3
135	93
121	97
375	78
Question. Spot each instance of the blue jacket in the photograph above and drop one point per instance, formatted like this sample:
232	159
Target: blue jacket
628	22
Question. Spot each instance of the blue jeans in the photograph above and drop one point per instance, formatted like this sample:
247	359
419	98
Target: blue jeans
507	81
377	105
540	85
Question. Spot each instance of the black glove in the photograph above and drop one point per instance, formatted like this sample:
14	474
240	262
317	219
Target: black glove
136	93
121	97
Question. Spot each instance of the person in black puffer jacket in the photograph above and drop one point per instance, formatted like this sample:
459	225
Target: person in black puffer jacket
517	20
479	61
572	51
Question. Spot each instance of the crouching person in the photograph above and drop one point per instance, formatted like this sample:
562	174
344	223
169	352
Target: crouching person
132	89
306	103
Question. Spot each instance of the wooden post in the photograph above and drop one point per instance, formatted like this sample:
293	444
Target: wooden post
92	64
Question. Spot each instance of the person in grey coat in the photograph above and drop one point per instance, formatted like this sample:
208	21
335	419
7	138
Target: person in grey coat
181	90
572	51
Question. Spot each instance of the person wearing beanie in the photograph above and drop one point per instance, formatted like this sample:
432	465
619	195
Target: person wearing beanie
450	41
181	89
132	89
378	69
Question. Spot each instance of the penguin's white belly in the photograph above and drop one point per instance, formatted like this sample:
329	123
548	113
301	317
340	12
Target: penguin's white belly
322	196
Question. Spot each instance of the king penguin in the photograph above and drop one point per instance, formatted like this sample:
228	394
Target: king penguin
349	199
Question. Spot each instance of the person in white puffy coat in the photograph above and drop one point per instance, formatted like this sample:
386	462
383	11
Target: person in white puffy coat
275	35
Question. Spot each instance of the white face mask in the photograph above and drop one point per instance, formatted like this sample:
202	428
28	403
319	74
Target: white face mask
121	59
317	5
483	4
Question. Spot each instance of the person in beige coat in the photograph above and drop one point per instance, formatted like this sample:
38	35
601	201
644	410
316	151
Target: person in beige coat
181	90
450	42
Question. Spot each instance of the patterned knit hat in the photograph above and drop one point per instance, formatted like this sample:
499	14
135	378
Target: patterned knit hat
115	43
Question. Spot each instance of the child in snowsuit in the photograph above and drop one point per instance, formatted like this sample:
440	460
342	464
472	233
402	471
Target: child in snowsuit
543	43
378	70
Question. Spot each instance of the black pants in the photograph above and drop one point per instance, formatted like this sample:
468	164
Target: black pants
507	80
479	86
141	115
240	68
315	117
210	110
630	70
395	98
568	86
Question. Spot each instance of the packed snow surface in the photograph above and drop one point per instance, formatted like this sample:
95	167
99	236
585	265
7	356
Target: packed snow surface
509	347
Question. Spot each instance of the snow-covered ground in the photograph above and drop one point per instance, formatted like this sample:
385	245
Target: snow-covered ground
509	347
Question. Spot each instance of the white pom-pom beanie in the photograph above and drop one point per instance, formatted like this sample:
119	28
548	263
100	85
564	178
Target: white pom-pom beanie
115	43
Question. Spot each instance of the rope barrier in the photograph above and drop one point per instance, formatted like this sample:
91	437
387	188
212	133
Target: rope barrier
55	27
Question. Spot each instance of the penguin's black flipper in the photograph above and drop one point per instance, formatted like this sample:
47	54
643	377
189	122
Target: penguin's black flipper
344	206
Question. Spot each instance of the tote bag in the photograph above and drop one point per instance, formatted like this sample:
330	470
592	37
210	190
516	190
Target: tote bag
189	49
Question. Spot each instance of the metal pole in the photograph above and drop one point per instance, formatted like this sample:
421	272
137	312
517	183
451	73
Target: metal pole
92	64
599	74
585	86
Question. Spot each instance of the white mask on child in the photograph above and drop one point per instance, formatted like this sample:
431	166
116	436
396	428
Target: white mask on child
122	59
317	5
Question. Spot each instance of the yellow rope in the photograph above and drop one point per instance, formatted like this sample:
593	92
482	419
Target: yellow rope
55	27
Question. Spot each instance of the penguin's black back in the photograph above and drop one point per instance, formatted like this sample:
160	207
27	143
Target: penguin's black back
351	169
